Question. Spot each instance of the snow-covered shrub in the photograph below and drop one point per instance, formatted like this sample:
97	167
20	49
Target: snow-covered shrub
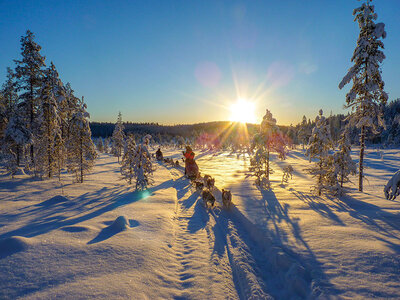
392	188
287	173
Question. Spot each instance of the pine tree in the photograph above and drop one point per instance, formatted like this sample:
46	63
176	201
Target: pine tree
118	137
344	165
366	94
318	148
29	74
80	147
50	143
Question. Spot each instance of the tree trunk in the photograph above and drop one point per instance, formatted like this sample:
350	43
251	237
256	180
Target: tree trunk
18	155
49	144
361	163
320	177
268	165
81	150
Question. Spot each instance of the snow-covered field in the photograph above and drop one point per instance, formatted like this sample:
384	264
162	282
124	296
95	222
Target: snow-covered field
101	239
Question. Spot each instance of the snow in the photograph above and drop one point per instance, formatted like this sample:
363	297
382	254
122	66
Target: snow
102	239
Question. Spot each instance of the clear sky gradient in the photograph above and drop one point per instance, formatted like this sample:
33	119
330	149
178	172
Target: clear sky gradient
186	61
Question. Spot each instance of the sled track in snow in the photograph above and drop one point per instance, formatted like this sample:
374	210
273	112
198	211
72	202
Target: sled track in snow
192	249
260	269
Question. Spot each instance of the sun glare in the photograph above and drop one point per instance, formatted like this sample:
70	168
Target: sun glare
243	111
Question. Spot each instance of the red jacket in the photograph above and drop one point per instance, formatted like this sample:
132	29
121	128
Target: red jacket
189	155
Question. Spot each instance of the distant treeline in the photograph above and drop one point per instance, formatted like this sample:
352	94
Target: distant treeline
299	133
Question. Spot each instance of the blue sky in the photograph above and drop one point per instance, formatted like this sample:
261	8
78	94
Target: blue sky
186	61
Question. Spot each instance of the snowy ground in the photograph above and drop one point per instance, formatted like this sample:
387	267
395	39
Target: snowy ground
61	241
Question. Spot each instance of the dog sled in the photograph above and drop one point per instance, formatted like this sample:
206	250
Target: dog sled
191	169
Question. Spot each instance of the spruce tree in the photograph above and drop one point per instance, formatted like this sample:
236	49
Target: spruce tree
304	134
143	166
318	148
8	100
16	138
80	147
267	140
29	74
129	160
118	137
344	165
367	94
100	145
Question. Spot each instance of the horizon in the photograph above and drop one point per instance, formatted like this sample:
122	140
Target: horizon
189	62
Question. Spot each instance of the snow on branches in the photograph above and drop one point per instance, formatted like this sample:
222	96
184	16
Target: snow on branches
137	164
392	188
367	94
118	137
267	140
319	145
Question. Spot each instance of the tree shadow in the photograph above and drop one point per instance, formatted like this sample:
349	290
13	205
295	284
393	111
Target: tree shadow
53	213
372	215
317	204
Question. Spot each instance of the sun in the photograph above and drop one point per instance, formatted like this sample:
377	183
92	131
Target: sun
243	111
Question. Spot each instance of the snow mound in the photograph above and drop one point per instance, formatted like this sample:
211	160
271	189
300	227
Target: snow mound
120	223
56	200
14	244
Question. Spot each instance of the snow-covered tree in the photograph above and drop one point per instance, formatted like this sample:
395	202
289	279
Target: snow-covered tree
318	148
367	93
29	74
304	132
106	145
129	160
8	100
344	165
50	144
143	166
118	137
100	145
80	147
267	140
16	138
67	109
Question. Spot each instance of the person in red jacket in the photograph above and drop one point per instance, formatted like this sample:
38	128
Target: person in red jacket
191	168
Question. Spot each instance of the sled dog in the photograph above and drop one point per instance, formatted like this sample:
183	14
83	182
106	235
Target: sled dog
208	197
226	198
